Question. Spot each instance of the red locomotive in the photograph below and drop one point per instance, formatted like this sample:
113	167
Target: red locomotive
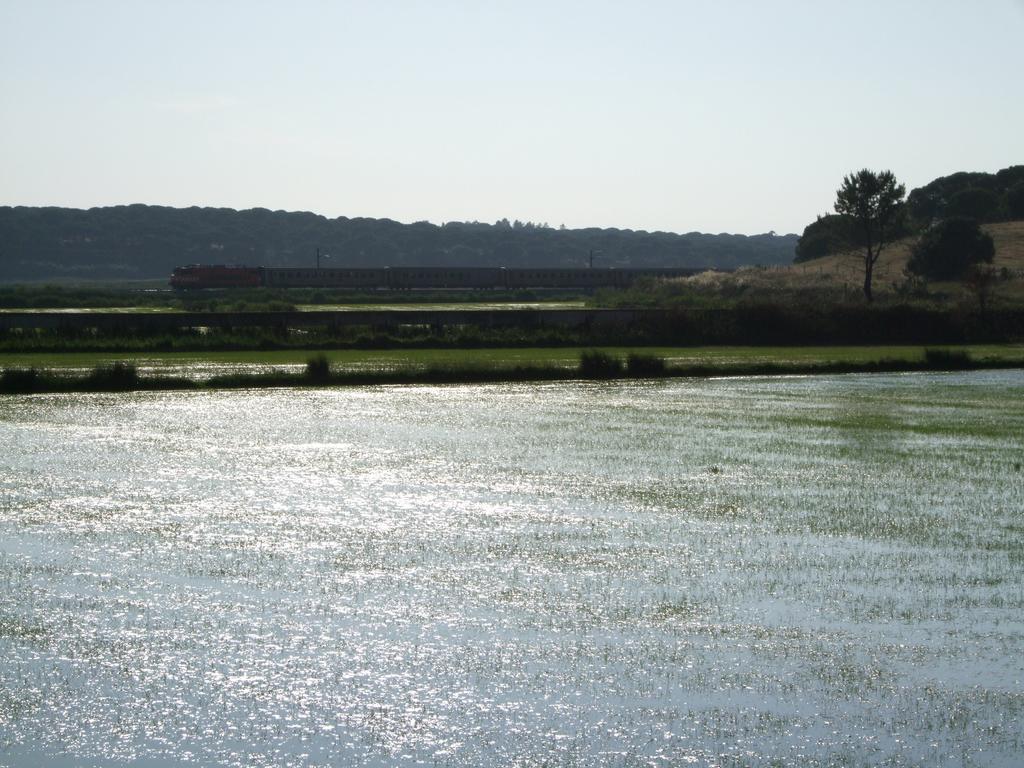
216	276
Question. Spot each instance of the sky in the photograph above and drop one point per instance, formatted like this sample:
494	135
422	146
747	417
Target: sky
731	116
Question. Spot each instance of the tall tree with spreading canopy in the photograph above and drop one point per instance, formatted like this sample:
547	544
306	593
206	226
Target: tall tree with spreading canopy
875	202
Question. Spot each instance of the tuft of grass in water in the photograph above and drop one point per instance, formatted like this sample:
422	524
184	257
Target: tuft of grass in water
117	376
595	364
20	380
645	366
318	369
15	628
947	358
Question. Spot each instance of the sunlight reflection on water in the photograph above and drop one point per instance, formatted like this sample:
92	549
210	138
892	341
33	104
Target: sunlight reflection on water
725	572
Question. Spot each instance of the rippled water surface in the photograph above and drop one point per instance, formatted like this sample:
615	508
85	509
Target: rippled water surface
801	571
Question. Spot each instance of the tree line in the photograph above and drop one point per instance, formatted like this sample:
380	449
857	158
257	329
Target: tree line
142	241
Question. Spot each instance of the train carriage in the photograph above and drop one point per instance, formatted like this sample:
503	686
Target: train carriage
355	278
483	278
557	278
198	276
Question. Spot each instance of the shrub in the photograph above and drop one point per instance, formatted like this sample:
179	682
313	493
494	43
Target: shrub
949	249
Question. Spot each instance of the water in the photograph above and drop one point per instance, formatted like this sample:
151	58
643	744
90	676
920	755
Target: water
798	571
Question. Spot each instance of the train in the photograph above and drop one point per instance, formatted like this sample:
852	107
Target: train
204	276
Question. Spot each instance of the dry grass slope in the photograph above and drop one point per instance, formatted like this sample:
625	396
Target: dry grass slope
845	271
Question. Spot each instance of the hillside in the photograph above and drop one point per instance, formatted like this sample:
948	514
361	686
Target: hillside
987	198
144	242
844	272
849	266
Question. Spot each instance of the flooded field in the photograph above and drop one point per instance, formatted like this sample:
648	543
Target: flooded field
766	572
406	306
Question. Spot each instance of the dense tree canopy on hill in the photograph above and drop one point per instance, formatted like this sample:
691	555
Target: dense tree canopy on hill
984	197
139	241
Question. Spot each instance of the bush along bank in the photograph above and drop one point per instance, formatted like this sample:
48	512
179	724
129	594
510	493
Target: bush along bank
593	365
783	325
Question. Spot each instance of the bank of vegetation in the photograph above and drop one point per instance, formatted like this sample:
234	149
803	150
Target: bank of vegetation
593	365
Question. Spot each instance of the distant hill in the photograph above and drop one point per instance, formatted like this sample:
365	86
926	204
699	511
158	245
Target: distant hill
144	242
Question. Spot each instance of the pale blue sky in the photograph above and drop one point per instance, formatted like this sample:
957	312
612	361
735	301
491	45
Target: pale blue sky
730	116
